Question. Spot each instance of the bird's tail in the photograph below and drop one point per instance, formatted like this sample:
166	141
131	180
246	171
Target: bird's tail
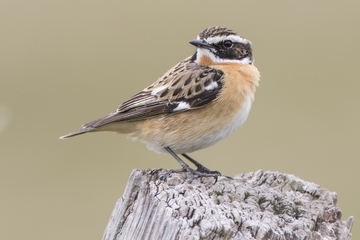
77	132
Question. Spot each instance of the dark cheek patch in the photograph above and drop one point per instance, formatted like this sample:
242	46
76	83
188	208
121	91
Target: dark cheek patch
237	52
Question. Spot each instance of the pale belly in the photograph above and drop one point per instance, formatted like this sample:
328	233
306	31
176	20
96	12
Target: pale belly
191	133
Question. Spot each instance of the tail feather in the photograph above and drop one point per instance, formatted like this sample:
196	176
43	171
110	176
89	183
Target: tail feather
77	132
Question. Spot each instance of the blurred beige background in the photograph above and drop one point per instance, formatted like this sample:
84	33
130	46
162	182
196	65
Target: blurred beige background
63	63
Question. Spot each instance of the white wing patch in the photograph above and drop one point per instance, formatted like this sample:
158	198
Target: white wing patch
158	89
212	86
182	106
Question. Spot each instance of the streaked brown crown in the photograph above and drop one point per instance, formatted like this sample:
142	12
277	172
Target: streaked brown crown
216	31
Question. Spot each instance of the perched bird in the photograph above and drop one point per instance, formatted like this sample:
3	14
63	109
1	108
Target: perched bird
198	102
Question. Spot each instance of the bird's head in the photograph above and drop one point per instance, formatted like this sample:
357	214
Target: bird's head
221	45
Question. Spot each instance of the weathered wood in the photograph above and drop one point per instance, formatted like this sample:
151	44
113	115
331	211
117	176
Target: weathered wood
258	205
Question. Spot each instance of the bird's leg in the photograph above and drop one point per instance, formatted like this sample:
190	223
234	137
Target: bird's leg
185	167
200	168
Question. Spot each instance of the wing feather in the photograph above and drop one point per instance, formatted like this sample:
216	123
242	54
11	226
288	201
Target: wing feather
185	87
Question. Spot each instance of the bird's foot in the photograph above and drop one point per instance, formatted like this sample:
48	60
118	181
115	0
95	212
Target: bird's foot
203	169
203	172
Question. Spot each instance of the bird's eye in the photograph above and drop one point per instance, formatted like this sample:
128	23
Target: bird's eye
228	43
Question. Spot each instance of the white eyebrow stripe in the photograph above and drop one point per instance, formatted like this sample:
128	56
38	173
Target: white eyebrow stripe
234	38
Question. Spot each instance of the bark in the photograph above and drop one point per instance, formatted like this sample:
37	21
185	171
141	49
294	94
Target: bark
258	205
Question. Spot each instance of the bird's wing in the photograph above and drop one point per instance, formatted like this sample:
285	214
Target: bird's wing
185	87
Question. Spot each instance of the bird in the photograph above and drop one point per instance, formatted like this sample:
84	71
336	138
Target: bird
195	104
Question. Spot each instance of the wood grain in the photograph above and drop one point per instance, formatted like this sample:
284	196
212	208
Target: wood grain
258	205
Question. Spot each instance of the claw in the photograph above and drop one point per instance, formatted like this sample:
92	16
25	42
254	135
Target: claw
201	171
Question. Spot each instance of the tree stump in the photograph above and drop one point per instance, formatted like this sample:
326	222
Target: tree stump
258	205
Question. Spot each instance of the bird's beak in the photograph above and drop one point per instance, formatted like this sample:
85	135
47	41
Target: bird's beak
200	44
